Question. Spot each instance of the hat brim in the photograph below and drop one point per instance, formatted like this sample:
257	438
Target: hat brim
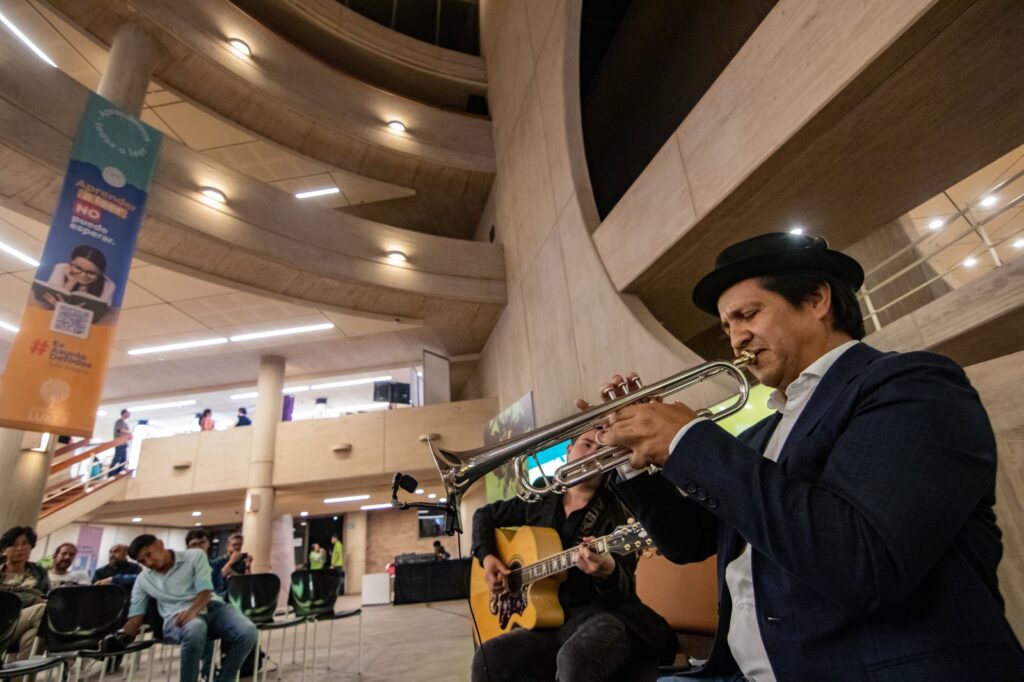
714	284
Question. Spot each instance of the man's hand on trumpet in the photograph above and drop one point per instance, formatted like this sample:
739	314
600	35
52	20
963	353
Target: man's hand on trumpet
647	429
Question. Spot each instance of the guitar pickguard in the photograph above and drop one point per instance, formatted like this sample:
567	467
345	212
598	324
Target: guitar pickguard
508	605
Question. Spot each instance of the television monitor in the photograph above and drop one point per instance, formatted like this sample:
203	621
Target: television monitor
390	392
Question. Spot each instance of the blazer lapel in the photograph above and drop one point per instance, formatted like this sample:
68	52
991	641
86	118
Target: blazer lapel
836	379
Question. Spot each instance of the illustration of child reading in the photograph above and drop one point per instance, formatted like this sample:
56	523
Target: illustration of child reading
80	282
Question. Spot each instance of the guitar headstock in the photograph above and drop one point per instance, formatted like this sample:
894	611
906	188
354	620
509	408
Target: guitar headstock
627	539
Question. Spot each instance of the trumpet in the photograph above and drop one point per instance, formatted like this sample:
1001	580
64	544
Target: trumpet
460	470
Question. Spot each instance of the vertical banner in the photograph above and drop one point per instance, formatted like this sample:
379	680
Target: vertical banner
89	540
55	370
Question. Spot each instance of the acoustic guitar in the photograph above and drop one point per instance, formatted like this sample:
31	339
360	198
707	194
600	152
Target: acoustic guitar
532	598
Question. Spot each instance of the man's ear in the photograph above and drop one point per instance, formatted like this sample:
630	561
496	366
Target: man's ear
820	302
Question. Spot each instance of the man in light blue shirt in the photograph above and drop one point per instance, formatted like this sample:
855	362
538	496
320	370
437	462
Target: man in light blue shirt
180	583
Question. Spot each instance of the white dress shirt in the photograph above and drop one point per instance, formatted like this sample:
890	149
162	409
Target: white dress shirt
745	640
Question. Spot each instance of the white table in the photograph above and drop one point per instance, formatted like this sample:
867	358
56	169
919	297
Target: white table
376	589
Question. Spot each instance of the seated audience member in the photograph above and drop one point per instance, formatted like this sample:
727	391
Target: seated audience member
180	584
61	574
234	562
27	580
198	538
119	571
605	626
440	552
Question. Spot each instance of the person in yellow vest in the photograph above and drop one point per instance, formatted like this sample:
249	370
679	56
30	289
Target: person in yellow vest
338	560
317	557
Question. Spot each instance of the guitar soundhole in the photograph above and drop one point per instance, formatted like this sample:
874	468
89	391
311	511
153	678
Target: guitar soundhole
513	602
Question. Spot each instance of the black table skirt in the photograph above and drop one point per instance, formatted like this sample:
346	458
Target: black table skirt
432	581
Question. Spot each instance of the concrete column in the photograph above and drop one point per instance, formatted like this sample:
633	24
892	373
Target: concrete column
132	57
25	472
259	495
354	539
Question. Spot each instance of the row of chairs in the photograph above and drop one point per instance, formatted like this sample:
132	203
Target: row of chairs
76	619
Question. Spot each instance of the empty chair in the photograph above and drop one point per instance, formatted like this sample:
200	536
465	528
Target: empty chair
10	610
256	596
78	618
312	596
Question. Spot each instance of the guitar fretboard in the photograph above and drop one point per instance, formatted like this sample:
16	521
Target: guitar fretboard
556	563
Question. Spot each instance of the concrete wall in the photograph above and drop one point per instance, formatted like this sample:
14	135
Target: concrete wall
113	534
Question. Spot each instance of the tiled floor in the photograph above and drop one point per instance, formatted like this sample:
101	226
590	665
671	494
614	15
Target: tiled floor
415	643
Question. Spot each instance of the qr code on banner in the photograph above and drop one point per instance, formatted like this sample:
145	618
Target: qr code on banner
71	320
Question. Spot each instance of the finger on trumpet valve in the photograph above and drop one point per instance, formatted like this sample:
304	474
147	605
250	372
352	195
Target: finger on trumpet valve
623	387
608	393
634	382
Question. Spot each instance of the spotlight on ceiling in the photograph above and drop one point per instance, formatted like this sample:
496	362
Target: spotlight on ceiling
136	519
970	262
213	194
1019	244
396	126
303	513
936	224
395	256
240	47
989	201
197	513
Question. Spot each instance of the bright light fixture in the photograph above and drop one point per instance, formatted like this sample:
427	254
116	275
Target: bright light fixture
244	396
198	523
24	38
989	201
18	254
1019	244
367	507
347	498
443	500
136	519
9	327
161	406
295	389
432	496
303	513
214	194
796	230
283	332
350	382
970	262
197	513
396	256
240	47
101	413
396	126
419	491
936	224
317	193
178	346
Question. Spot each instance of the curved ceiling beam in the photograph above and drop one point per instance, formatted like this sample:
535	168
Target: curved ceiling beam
288	96
373	52
263	238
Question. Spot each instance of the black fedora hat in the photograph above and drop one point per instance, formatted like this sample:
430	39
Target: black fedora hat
769	254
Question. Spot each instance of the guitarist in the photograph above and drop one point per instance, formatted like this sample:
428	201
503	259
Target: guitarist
605	624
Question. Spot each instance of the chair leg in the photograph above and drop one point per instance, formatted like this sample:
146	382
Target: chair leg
359	646
316	627
330	643
78	669
150	663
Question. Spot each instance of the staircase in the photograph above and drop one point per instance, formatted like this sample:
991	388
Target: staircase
68	499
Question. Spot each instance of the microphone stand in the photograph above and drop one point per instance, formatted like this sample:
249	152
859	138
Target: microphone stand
452	519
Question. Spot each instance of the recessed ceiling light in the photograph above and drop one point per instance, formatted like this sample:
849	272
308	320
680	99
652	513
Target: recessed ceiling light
303	513
283	332
136	519
396	126
198	523
303	523
317	193
178	346
9	327
244	396
28	260
335	518
443	500
419	491
936	224
213	194
988	201
161	406
367	507
796	230
350	382
396	256
240	47
970	262
295	389
25	39
432	496
197	513
1019	244
101	413
347	498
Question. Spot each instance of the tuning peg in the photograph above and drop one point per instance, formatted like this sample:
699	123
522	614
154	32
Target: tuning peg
631	520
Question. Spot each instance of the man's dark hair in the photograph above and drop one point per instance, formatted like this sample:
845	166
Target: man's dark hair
63	545
242	410
798	288
140	543
124	412
236	535
196	534
11	536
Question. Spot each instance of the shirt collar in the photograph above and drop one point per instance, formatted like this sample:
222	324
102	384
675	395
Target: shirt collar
809	377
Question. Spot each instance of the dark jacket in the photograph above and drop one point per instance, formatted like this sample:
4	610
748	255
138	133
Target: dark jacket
36	594
110	570
874	541
616	593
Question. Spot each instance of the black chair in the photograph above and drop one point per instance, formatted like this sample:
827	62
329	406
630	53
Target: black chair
10	611
312	596
256	596
77	619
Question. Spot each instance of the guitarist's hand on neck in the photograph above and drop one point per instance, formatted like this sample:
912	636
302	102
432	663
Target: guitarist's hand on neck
592	563
496	574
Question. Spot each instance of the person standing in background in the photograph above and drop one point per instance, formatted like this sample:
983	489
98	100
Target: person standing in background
243	417
317	557
206	420
121	428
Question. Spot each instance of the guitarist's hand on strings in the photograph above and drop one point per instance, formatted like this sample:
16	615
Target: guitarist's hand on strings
495	574
592	563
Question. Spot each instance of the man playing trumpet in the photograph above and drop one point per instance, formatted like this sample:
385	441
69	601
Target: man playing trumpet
854	529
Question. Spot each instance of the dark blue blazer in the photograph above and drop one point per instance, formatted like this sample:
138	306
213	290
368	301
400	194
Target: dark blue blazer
874	541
